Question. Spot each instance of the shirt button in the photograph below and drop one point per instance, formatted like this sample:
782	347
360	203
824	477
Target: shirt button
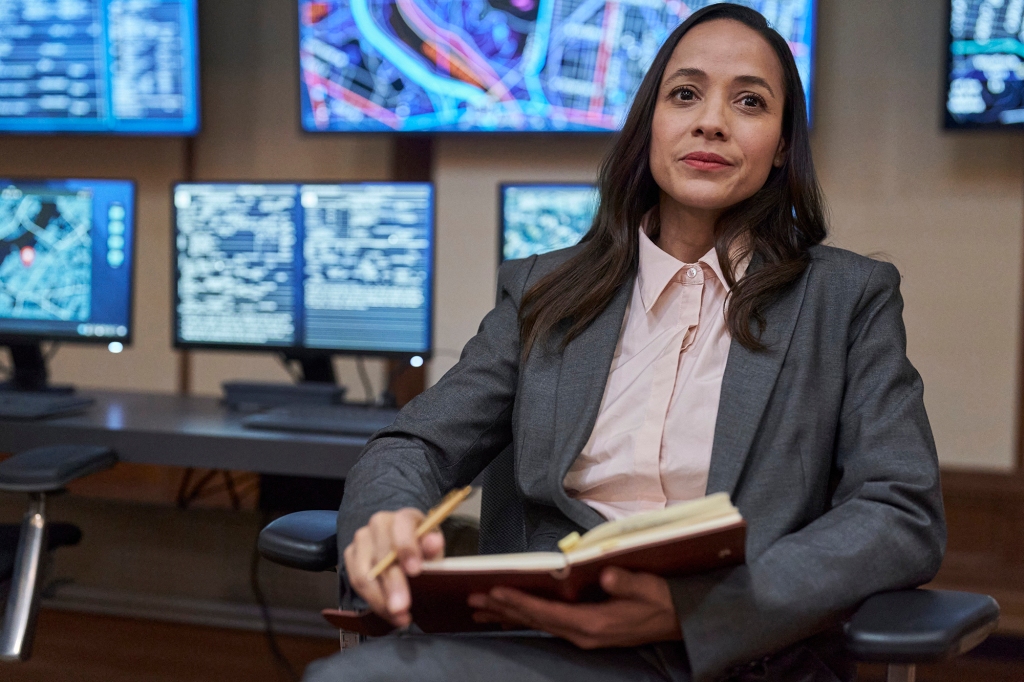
691	273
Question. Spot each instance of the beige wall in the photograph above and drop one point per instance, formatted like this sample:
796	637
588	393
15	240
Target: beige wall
946	208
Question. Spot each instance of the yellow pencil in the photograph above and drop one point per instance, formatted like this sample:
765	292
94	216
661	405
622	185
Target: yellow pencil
435	517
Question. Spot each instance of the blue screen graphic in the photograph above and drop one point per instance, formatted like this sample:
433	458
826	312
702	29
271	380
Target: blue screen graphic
986	64
537	219
346	268
99	66
495	65
66	259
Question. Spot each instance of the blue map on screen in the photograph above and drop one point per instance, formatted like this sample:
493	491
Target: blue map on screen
986	64
494	65
541	218
99	66
65	258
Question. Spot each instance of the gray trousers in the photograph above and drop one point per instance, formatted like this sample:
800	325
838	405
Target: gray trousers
494	658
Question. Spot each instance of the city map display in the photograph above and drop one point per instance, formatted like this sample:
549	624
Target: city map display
45	255
66	259
494	65
541	218
117	66
986	63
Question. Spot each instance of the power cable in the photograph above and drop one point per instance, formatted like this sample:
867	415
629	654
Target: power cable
364	377
261	601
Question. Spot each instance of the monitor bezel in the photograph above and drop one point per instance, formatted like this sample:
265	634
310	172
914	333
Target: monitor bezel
502	186
111	132
16	338
266	348
297	65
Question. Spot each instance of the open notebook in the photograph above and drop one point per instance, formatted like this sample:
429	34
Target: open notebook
690	537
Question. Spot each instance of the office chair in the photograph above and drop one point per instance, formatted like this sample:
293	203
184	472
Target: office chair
901	629
24	549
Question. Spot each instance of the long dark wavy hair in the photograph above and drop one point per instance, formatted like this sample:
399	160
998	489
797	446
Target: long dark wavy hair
782	220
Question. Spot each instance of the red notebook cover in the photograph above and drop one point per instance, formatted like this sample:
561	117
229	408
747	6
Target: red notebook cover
439	597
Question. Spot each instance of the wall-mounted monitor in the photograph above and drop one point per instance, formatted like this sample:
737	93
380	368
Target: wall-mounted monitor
331	268
66	260
513	65
537	218
985	64
99	66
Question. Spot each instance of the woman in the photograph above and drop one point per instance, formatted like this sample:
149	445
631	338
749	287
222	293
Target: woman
699	340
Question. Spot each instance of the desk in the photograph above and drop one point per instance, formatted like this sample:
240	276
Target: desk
153	428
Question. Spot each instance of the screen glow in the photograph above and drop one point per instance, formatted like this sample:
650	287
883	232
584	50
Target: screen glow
494	65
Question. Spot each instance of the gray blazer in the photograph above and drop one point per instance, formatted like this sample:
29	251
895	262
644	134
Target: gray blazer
821	440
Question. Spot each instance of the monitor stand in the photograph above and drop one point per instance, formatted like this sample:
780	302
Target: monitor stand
28	370
316	386
316	367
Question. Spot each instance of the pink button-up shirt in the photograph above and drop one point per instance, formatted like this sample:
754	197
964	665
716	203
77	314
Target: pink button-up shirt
651	444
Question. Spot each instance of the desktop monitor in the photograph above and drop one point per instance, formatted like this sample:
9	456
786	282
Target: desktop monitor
537	218
513	65
99	66
65	266
309	270
984	65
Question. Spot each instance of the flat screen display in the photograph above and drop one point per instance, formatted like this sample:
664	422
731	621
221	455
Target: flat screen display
538	218
494	65
66	259
985	64
345	268
99	66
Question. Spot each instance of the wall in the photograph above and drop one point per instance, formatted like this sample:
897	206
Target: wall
945	208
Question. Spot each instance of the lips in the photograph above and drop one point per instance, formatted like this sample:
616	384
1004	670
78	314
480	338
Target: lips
706	161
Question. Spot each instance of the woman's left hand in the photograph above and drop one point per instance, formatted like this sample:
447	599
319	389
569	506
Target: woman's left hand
640	611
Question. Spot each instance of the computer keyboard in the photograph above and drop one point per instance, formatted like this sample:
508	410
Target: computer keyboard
352	420
24	405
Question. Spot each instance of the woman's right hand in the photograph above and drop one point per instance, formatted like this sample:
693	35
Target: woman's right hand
388	595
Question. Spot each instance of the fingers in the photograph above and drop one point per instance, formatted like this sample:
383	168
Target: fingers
396	590
394	586
517	607
403	539
432	545
388	595
360	557
624	584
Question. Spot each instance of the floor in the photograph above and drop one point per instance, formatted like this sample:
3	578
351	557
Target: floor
76	647
84	648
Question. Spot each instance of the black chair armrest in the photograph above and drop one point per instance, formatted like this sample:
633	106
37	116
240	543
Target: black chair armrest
307	540
920	626
46	469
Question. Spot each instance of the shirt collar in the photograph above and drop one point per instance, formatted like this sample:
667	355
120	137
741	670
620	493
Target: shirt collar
657	269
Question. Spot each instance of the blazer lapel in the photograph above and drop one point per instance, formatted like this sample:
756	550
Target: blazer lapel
747	385
586	363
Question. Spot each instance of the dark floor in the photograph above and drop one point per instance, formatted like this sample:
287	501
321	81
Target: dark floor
85	648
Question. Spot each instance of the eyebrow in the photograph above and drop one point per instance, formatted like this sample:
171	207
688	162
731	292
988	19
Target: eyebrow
689	72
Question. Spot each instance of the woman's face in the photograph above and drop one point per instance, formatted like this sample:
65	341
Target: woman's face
717	126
